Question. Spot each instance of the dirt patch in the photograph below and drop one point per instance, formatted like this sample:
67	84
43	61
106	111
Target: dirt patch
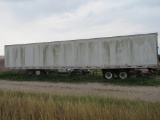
148	93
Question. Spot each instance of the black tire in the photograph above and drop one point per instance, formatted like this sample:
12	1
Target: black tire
69	72
108	75
138	73
123	74
38	72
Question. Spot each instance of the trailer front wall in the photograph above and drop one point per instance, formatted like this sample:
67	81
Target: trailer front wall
134	50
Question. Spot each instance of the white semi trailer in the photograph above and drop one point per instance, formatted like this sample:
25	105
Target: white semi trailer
114	55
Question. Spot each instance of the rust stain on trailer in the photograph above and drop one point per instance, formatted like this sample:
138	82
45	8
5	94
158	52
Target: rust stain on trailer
106	52
22	54
55	52
45	48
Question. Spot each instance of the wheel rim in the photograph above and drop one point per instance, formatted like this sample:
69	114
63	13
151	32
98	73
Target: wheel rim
123	75
108	75
38	72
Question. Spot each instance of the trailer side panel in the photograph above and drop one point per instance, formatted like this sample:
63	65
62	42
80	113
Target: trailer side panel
133	50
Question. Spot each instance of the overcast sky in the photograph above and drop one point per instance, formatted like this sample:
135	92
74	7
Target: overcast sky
30	21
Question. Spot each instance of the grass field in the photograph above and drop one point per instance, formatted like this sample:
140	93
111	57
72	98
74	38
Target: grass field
148	81
16	105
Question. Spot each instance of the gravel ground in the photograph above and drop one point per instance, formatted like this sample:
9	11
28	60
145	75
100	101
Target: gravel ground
148	93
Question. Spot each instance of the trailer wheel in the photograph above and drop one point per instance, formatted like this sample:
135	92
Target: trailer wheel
108	75
38	72
123	74
69	72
